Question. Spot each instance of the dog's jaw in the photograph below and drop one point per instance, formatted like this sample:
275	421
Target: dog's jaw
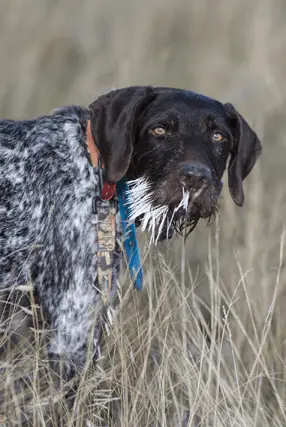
140	203
155	219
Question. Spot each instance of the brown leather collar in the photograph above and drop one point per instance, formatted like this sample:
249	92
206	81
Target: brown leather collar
108	189
92	148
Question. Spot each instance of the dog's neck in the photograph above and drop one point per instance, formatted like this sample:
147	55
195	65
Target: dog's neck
132	173
91	147
107	192
108	189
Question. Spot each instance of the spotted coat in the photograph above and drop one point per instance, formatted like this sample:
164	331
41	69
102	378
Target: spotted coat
48	229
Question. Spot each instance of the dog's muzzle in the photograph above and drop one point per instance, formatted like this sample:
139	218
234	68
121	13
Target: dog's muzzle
195	176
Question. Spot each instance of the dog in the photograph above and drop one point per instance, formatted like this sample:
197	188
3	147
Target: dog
172	145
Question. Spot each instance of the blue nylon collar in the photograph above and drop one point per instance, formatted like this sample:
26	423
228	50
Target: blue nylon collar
129	236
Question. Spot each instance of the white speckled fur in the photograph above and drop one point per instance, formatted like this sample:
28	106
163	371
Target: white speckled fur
47	230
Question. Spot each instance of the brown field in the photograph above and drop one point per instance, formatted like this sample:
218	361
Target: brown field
158	366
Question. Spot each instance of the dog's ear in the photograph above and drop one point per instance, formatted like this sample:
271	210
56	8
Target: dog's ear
244	153
114	120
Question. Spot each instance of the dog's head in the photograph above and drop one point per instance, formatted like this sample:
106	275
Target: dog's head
174	145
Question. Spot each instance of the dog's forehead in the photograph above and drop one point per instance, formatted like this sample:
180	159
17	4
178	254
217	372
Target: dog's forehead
188	105
184	100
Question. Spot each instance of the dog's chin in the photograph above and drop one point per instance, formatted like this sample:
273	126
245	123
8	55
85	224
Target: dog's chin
184	222
198	204
162	218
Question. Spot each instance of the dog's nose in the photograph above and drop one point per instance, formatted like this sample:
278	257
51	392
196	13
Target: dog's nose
198	173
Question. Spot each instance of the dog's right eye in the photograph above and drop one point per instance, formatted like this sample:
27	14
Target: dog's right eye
217	137
158	131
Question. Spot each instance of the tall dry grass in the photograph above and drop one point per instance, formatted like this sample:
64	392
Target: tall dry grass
200	347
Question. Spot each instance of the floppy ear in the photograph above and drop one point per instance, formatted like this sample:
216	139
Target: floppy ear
114	120
244	153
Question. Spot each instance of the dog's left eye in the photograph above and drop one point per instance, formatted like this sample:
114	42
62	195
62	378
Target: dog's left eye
217	137
159	131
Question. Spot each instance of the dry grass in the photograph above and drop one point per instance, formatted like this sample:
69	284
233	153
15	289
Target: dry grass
159	367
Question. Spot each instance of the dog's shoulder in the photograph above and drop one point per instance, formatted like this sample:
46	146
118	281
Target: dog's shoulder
55	134
69	113
68	125
42	156
58	120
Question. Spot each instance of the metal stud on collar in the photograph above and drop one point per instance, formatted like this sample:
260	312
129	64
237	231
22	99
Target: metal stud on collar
107	191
